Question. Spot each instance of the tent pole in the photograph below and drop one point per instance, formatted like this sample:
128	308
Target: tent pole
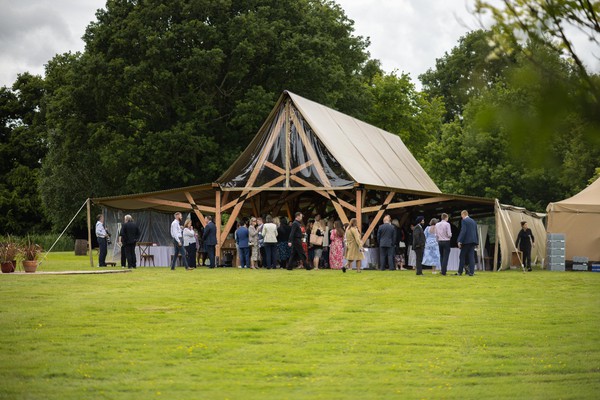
89	226
495	259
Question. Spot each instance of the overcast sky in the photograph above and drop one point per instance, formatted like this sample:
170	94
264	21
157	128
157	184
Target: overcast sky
406	35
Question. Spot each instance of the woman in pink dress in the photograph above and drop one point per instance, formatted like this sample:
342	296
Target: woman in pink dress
336	246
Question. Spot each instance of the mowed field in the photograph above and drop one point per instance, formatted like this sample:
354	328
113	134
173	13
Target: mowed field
243	334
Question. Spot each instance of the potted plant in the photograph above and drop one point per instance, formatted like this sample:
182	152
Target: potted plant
8	255
30	253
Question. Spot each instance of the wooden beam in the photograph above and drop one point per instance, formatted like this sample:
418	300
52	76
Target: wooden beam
288	146
274	167
224	197
196	211
327	194
301	167
409	203
177	204
265	152
234	214
249	193
378	216
343	203
359	209
312	154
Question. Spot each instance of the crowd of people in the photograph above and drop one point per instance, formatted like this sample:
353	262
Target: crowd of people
275	242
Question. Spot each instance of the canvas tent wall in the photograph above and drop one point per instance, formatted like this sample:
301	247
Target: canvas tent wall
578	217
508	224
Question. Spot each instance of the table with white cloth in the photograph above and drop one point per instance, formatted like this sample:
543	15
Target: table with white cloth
371	258
162	255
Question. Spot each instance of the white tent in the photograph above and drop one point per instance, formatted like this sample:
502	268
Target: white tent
578	217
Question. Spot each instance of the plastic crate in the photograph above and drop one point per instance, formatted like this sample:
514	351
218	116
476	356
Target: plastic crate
553	251
556	266
580	267
556	259
595	267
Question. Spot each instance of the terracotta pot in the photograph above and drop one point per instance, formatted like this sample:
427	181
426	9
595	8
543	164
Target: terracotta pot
30	266
8	267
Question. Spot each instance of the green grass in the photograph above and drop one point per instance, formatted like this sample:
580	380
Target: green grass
243	334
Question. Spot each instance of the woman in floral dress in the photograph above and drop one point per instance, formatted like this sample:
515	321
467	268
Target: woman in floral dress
336	246
431	257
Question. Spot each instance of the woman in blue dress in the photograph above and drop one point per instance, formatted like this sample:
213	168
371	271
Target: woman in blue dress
431	256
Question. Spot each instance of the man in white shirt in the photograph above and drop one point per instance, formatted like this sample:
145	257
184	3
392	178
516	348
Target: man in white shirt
177	235
443	234
102	236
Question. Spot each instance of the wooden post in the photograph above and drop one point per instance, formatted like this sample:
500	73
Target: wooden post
218	222
359	195
288	149
89	226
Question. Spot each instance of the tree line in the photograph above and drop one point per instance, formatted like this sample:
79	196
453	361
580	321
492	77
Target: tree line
167	94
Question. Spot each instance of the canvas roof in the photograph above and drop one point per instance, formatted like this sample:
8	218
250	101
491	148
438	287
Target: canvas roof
367	155
169	200
588	200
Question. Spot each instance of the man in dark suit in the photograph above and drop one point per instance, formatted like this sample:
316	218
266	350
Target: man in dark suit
386	239
419	243
210	239
467	241
130	234
295	243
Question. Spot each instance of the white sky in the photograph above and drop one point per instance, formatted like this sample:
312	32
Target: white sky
406	35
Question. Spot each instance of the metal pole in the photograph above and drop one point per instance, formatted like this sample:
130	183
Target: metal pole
89	226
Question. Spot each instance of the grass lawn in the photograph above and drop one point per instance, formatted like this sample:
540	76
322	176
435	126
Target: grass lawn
243	334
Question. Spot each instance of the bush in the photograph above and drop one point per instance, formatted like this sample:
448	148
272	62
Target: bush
66	243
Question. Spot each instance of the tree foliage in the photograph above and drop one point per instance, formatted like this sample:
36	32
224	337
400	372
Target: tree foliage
167	94
552	24
399	108
22	134
489	151
464	72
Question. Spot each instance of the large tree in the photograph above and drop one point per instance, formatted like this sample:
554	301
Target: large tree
168	93
22	147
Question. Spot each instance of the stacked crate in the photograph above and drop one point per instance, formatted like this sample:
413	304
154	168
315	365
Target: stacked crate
555	251
580	263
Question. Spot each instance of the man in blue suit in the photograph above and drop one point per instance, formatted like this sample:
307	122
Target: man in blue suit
386	238
210	240
467	240
242	239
